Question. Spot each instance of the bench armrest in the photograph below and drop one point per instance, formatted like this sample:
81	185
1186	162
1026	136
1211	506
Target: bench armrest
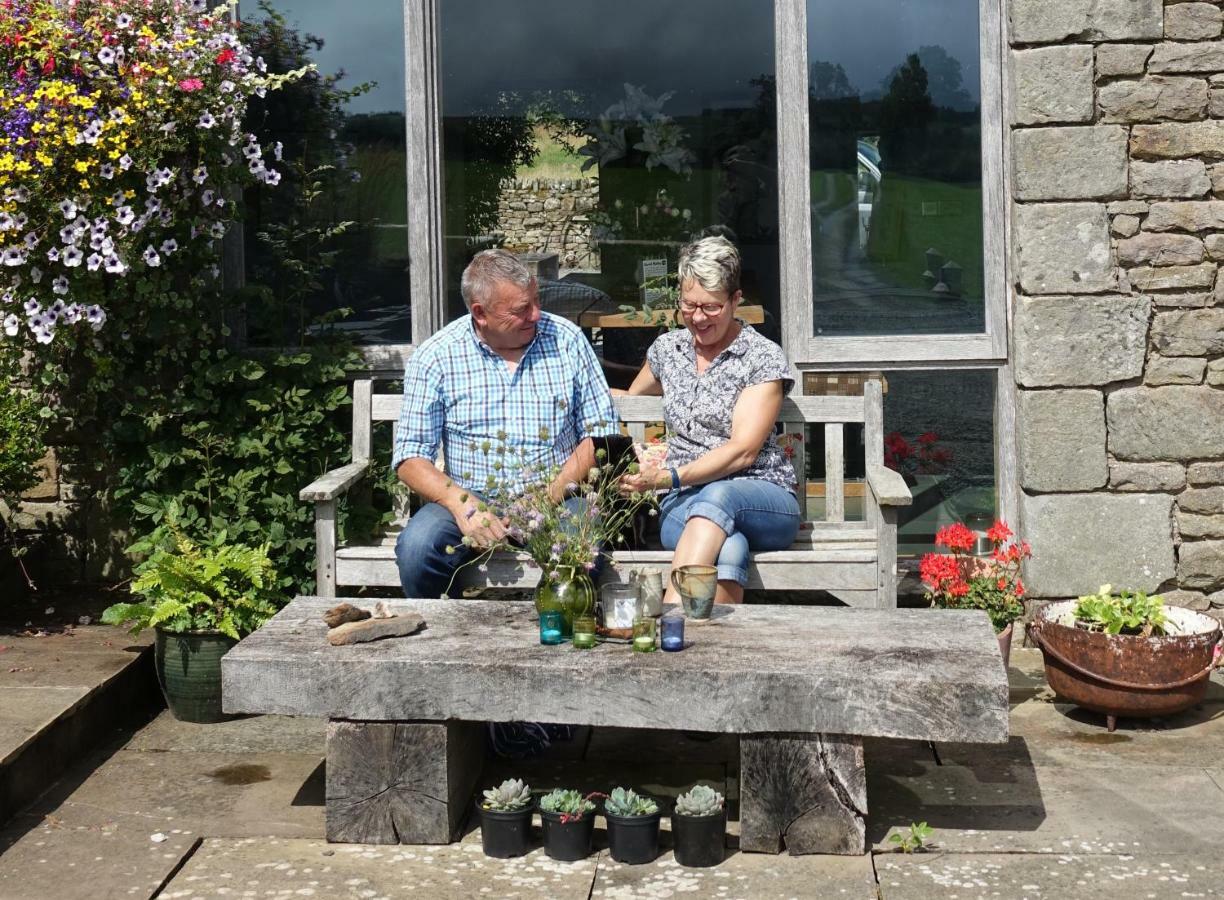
888	486
332	484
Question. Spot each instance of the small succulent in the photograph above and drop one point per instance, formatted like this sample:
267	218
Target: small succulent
627	803
700	801
568	803
508	796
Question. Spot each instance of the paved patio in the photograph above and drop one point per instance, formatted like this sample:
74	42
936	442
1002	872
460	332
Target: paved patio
235	810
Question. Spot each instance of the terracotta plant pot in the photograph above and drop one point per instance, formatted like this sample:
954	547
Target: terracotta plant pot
1127	675
1005	639
189	671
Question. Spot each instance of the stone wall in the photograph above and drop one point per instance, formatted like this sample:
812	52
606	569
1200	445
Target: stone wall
540	216
1117	181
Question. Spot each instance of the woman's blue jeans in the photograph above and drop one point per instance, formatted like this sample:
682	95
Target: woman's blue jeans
755	514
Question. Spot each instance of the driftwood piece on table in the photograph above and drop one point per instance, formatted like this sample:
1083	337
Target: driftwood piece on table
374	629
805	791
345	612
399	782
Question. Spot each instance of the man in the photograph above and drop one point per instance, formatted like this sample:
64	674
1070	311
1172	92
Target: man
508	375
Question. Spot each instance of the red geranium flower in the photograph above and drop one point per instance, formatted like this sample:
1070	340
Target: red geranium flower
999	532
955	537
226	55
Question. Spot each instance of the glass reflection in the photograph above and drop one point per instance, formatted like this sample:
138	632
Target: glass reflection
895	147
596	139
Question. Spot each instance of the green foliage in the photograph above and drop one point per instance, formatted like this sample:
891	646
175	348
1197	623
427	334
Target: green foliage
21	446
566	802
701	800
1131	612
914	839
224	587
510	795
623	802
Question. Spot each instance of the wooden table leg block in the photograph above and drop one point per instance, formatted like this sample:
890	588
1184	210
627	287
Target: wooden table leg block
400	782
807	792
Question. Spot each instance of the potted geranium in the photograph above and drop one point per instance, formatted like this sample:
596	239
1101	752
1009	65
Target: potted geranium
505	819
699	825
201	601
568	820
633	827
959	580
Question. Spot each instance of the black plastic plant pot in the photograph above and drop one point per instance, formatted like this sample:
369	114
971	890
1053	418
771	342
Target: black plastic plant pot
505	833
633	839
699	840
567	841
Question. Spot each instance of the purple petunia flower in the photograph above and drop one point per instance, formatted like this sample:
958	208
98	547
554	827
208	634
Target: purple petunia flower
12	325
151	258
72	257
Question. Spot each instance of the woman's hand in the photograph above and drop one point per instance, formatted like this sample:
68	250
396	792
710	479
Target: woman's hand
648	478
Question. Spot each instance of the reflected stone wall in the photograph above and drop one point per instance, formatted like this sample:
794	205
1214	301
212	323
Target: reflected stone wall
1118	334
537	216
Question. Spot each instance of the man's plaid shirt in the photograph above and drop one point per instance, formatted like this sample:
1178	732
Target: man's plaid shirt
458	395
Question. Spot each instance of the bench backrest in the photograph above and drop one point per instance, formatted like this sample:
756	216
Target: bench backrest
834	413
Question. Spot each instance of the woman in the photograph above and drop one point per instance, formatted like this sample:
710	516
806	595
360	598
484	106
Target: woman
730	487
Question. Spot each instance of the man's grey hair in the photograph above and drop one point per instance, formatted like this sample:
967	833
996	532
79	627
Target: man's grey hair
487	268
712	262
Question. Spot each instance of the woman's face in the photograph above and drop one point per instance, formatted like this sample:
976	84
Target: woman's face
708	315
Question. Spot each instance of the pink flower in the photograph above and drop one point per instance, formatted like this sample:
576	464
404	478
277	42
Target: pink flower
191	84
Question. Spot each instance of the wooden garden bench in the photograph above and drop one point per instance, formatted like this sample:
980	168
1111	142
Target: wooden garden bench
855	561
801	686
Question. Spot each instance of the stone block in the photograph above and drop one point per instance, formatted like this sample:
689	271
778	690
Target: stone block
1127	207
1081	541
1121	59
1190	525
1069	163
1079	341
1192	21
1061	440
1201	57
1170	178
1186	215
1200	565
1052	84
1205	501
1174	370
1165	423
1194	332
1160	250
1204	473
1042	22
1173	278
1063	248
1186	600
1177	140
1216	174
1182	301
1153	99
1215	103
48	487
1124	226
1128	476
1215	373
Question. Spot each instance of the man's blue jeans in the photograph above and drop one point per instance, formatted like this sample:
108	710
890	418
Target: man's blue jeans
755	514
425	568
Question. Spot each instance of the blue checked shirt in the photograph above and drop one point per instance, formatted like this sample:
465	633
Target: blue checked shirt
458	395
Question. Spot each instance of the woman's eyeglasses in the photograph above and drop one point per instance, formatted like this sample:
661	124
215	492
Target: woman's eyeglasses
710	309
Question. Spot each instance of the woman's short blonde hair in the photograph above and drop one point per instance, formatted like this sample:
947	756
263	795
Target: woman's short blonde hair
712	262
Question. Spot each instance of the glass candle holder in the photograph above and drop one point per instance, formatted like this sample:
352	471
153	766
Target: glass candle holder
584	632
672	633
551	625
620	604
644	634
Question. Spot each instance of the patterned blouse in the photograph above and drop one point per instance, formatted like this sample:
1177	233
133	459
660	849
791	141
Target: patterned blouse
698	408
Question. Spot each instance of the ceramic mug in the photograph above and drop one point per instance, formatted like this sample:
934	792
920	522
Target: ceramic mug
696	585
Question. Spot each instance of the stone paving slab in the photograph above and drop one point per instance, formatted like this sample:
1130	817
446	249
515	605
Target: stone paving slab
276	867
741	876
247	734
25	711
1051	809
85	656
989	876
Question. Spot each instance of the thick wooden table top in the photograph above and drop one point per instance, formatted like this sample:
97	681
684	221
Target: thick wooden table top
922	674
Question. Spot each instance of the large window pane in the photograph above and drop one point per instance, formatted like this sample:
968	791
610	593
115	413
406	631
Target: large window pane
360	134
600	137
895	147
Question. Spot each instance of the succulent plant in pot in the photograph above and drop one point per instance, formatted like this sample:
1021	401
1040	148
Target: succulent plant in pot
569	822
633	827
505	819
699	824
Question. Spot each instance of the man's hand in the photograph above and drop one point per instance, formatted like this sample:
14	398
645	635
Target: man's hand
484	528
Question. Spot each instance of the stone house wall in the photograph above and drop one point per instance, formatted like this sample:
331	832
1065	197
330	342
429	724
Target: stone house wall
538	216
1116	129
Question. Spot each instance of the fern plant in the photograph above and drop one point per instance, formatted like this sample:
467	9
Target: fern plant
225	588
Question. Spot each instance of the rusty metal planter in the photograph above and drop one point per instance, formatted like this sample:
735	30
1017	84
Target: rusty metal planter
1126	675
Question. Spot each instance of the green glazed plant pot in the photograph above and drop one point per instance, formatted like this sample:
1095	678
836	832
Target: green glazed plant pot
570	592
189	673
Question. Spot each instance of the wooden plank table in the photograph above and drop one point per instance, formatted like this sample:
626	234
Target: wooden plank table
800	685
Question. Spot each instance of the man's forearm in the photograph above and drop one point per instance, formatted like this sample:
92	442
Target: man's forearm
431	483
574	470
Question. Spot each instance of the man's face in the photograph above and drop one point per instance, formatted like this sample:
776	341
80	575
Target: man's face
508	320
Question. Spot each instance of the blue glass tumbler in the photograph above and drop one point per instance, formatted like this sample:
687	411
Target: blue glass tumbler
551	626
672	633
